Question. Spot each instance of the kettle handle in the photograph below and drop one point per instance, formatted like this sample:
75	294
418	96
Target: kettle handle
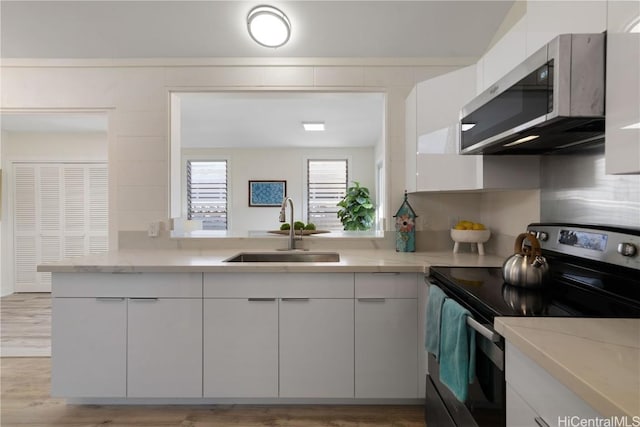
535	246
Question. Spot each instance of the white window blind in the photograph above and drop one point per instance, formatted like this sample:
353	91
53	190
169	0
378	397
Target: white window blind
207	193
326	186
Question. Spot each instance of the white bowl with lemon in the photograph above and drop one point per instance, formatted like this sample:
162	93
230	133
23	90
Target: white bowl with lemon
470	232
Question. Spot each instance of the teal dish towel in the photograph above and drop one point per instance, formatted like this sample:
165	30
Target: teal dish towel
432	320
457	350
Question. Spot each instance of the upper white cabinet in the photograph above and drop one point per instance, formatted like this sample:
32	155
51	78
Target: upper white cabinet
508	52
622	127
433	162
547	19
541	22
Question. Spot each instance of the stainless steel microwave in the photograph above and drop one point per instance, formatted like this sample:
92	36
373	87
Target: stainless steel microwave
553	101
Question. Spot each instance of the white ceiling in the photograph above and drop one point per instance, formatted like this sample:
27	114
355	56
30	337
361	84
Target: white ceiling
203	28
153	29
274	119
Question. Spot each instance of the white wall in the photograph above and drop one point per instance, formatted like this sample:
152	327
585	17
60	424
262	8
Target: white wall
278	164
36	147
136	94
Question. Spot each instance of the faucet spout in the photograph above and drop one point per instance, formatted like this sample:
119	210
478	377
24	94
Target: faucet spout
292	235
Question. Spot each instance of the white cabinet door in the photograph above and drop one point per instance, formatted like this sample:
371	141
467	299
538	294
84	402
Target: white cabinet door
519	413
386	353
89	344
316	348
164	347
241	347
622	127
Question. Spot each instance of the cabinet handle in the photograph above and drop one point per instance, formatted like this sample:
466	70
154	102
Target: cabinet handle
109	298
541	422
371	299
295	299
144	299
261	299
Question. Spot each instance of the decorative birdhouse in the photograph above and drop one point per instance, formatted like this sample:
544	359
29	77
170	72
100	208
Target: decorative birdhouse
405	227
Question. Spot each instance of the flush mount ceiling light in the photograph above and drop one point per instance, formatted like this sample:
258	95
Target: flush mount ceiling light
313	126
268	26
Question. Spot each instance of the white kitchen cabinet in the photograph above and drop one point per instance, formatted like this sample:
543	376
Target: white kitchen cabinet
240	347
504	55
127	335
164	347
89	344
432	159
622	127
316	348
386	327
546	397
548	19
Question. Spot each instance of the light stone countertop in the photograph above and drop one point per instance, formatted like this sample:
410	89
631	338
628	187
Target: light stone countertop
598	359
351	260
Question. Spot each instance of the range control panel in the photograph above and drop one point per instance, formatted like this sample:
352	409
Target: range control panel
613	245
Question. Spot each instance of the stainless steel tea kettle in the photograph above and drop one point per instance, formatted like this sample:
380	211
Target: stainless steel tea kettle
526	267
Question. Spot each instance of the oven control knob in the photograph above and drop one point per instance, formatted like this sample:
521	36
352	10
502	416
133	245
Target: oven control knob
543	236
627	249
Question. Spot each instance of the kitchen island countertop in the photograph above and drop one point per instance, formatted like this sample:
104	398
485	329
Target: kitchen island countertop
598	359
351	260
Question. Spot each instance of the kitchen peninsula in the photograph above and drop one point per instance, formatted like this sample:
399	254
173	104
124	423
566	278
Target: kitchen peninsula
166	326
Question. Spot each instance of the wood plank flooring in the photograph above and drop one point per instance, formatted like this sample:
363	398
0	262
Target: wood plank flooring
25	325
25	392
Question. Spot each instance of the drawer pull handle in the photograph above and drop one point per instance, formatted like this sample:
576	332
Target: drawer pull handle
295	299
144	299
371	299
261	299
115	299
541	422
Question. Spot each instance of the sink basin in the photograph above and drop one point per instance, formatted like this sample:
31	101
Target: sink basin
285	257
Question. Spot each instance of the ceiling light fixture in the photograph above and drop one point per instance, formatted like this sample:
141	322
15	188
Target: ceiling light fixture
467	126
268	26
313	126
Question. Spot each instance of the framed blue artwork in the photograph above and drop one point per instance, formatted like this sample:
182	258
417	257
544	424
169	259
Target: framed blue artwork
267	193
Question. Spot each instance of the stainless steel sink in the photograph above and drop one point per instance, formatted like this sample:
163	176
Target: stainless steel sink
285	257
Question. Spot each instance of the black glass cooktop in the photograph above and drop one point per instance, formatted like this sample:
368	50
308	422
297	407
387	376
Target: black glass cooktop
571	291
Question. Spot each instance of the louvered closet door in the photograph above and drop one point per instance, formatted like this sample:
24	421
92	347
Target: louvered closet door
60	212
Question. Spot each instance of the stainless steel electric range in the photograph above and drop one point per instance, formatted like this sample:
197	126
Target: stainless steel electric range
594	272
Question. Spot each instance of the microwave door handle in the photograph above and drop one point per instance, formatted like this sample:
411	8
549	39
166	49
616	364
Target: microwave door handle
483	330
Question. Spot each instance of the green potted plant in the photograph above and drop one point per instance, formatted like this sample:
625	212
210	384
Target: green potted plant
357	212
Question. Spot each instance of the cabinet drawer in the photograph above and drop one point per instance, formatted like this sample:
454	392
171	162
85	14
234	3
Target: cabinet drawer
548	397
386	285
162	285
278	285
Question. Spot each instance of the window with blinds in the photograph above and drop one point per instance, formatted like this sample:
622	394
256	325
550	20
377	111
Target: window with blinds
207	193
326	186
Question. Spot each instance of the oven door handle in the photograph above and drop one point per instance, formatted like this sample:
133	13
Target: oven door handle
483	330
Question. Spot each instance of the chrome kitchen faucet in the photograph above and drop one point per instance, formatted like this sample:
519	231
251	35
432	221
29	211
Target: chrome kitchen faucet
292	233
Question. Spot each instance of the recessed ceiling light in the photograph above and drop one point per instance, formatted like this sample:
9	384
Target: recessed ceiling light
313	126
268	26
521	140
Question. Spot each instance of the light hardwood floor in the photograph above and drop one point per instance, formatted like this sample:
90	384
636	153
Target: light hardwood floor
25	325
25	387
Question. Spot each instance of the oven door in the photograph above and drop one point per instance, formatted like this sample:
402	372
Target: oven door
486	402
